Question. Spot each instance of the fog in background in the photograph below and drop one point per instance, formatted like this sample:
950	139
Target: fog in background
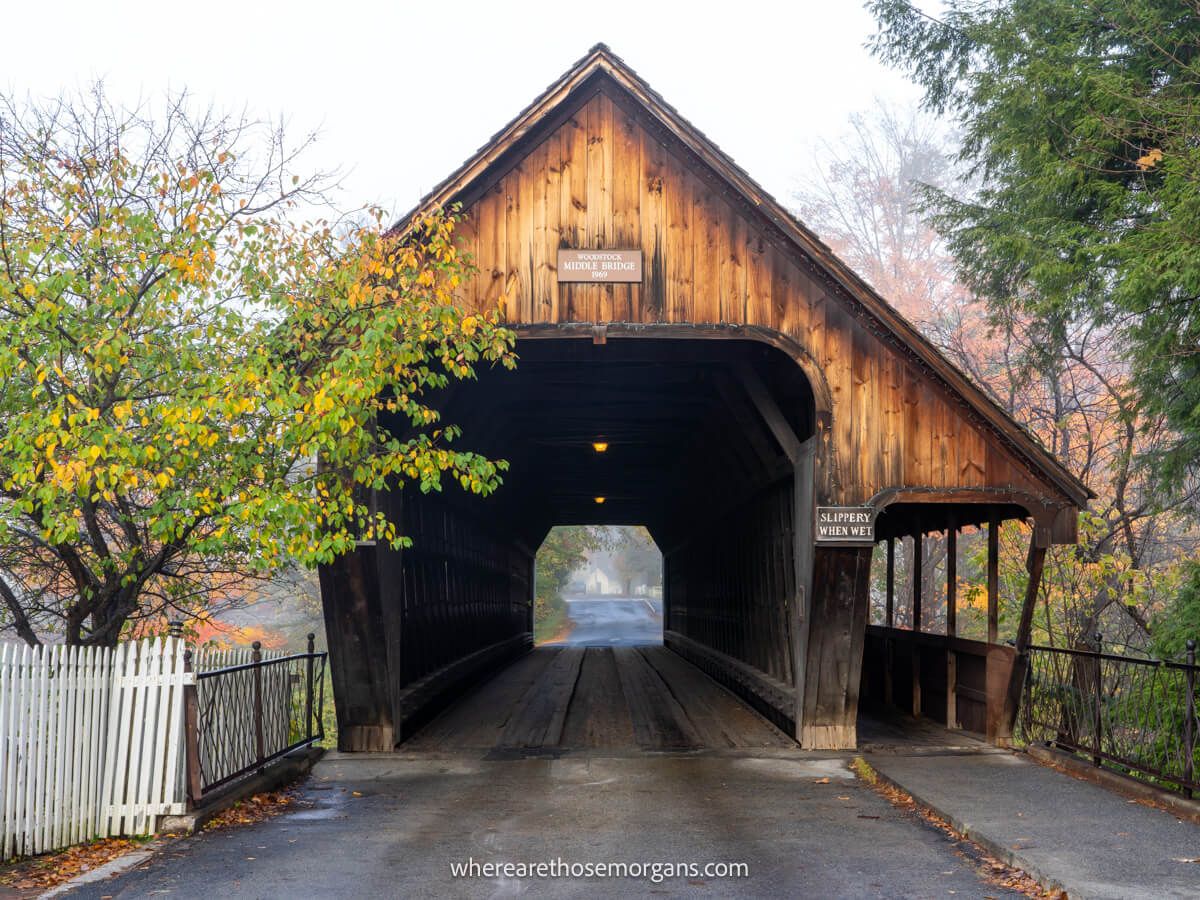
403	92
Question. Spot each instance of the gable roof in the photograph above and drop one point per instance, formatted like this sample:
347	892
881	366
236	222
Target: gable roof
601	63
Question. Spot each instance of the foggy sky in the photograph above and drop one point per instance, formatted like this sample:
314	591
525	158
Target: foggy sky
403	92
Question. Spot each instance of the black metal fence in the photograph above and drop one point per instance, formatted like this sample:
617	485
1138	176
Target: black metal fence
238	719
1135	715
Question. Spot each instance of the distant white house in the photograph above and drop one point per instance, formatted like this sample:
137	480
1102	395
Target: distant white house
595	580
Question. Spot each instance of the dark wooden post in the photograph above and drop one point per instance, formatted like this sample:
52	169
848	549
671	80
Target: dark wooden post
803	512
993	580
951	627
1098	701
308	692
888	644
951	582
259	741
1189	722
191	732
360	668
918	573
891	582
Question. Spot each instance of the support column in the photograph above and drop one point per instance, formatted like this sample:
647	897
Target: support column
889	650
891	582
837	631
918	574
993	580
358	653
804	514
951	627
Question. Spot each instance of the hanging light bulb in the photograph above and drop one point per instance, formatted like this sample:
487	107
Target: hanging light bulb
599	499
600	446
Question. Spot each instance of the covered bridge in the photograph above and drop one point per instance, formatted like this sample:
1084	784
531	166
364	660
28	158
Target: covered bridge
768	417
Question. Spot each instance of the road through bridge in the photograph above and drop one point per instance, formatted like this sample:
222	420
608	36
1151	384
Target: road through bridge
610	687
762	411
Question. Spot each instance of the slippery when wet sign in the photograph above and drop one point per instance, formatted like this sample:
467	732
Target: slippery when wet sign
845	525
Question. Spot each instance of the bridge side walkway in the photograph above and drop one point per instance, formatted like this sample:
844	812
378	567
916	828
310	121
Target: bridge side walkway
1070	834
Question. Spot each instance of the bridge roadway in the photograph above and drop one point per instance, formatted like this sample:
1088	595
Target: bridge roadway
605	687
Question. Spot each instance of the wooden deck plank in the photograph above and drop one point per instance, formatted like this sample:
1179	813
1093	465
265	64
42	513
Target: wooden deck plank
541	713
599	716
659	722
479	718
598	698
720	718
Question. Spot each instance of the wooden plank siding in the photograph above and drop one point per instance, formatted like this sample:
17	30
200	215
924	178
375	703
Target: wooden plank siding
603	178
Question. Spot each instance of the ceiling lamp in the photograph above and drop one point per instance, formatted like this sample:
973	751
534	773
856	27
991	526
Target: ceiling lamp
599	499
600	446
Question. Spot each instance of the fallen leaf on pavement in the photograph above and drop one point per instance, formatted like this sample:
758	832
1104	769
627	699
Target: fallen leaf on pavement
52	869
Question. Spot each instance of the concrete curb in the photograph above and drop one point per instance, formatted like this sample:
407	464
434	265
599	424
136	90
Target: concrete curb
110	868
1005	854
1072	765
277	774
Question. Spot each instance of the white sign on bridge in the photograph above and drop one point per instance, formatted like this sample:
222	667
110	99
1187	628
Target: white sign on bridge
600	265
847	525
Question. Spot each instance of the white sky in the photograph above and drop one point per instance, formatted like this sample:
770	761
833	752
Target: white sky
402	92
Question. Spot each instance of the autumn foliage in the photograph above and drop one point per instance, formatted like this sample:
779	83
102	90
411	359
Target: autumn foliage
1072	387
199	386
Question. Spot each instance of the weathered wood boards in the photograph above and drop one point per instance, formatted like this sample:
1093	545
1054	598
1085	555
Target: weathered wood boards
601	171
841	581
574	698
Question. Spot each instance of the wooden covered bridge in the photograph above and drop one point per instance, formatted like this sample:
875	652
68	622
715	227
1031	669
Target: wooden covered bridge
767	416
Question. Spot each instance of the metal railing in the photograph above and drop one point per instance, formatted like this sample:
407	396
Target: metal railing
238	719
1135	715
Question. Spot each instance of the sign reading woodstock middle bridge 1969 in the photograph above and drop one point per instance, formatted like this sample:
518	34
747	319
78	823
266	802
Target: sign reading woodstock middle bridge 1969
600	265
850	525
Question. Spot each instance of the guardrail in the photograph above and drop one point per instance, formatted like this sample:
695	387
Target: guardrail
955	681
239	718
1132	714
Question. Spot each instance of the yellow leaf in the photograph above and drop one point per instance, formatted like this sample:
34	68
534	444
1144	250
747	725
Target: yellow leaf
1151	158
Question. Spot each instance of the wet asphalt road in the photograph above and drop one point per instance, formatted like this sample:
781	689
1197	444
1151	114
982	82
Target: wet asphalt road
614	621
368	826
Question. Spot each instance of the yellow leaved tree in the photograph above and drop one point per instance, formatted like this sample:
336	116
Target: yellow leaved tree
196	388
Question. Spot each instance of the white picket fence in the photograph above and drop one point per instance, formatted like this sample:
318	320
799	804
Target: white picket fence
91	740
